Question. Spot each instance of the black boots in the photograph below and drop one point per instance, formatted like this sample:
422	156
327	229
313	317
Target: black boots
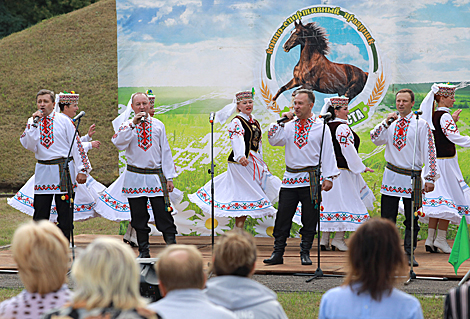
305	246
143	242
276	257
407	245
169	238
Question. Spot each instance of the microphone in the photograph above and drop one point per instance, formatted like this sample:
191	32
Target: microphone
325	116
282	120
418	112
390	120
36	118
211	117
79	116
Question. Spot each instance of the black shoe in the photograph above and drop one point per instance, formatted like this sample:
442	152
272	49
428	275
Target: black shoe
131	243
275	259
305	259
169	238
144	254
429	249
415	263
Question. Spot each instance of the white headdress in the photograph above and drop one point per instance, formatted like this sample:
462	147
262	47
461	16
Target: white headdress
428	103
336	102
222	115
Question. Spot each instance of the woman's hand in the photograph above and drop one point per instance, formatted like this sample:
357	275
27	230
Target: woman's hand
244	161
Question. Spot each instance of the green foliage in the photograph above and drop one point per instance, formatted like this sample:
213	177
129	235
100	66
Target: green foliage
18	15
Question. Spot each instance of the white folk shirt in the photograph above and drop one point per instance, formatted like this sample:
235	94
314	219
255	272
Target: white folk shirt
450	130
147	148
54	145
236	133
399	139
302	149
345	138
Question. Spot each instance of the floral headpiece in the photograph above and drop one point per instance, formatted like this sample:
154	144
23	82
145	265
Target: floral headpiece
68	98
151	97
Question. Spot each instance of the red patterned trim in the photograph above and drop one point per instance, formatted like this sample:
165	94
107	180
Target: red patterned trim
344	217
376	133
432	155
272	131
146	190
236	131
293	181
394	189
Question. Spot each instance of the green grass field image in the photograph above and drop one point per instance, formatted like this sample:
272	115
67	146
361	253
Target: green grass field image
185	113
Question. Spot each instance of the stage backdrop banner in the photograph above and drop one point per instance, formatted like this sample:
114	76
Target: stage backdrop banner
194	55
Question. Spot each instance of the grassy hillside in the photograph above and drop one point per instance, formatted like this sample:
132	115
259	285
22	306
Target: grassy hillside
76	51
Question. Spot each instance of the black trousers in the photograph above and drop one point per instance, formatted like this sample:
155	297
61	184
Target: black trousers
389	210
139	215
289	198
42	210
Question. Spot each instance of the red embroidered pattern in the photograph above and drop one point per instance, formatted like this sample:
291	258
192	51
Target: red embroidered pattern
293	181
233	206
375	134
432	155
394	189
121	128
147	190
46	187
344	217
450	128
47	131
82	153
118	205
272	131
399	137
345	140
301	132
144	135
237	130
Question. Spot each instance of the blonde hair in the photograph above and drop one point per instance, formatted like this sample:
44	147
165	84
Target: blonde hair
180	267
106	273
41	252
234	254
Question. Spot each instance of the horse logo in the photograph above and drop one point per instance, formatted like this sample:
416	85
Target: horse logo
314	71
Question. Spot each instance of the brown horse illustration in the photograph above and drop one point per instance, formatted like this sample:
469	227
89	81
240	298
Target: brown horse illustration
314	71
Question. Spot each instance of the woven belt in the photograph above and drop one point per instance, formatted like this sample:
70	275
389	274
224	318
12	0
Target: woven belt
314	175
154	171
64	173
417	183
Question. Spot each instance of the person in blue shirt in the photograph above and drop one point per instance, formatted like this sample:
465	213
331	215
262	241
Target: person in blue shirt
375	264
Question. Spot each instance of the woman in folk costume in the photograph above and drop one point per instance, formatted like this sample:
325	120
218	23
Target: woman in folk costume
448	202
112	204
247	188
345	205
85	194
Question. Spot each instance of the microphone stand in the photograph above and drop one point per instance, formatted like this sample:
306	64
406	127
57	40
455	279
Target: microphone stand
69	187
316	201
414	178
211	171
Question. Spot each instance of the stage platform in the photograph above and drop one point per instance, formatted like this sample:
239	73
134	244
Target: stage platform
434	265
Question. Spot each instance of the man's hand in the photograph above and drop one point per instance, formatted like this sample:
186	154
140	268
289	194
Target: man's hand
392	115
369	170
456	115
326	185
289	115
137	117
428	187
170	186
38	113
91	130
95	144
244	161
81	178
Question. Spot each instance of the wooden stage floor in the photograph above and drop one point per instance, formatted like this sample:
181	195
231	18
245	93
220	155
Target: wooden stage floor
434	265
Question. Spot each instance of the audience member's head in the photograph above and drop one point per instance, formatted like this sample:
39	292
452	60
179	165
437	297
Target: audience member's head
234	254
375	258
180	267
106	273
41	252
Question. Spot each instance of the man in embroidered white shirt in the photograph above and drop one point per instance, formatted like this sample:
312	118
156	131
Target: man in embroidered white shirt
149	173
400	154
49	135
302	140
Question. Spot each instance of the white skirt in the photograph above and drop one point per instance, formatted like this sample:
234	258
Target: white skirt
450	199
112	204
84	203
241	191
344	206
